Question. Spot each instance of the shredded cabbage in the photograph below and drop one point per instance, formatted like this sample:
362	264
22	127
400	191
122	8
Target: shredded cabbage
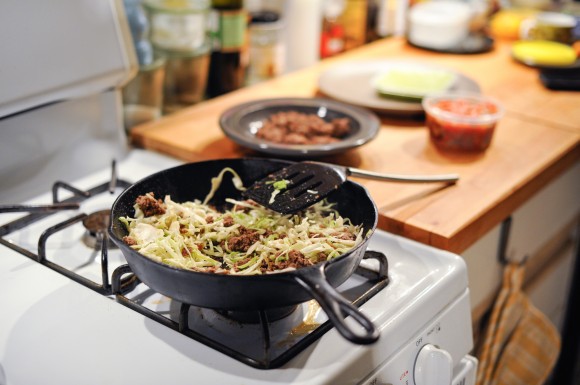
278	185
217	181
245	239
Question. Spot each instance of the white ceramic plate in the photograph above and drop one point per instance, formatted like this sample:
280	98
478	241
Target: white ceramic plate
352	83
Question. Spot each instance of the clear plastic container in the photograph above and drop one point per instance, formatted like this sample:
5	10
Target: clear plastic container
461	121
441	24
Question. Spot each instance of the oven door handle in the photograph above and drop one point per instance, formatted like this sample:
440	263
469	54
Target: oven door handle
38	208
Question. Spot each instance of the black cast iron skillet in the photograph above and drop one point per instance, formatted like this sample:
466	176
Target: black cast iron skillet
257	292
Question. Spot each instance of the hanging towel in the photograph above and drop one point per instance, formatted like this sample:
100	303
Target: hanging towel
520	345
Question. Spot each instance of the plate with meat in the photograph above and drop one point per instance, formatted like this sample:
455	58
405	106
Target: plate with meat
299	127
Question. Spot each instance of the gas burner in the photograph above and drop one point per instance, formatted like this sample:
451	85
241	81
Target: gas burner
253	317
265	339
97	224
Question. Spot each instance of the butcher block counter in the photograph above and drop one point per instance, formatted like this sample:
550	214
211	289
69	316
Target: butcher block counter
536	140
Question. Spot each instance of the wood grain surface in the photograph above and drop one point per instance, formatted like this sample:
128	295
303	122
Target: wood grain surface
535	141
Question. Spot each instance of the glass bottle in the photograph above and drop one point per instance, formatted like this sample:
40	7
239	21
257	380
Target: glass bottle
139	26
267	54
332	33
179	35
229	47
142	95
372	32
354	20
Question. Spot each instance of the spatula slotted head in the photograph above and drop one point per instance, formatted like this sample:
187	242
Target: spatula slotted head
295	187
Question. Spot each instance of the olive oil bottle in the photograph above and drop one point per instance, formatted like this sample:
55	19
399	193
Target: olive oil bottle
354	20
229	39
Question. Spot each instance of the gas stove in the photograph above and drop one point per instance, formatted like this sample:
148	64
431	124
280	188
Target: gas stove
73	312
72	318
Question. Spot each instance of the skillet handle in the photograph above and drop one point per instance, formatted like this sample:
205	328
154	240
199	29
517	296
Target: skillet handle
337	307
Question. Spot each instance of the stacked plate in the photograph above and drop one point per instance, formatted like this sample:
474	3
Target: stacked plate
394	87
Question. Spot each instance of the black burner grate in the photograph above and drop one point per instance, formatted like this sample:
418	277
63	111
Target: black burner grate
269	357
39	212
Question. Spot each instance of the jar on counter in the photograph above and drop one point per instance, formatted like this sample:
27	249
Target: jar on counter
185	78
267	53
143	95
332	33
178	25
139	26
179	35
354	22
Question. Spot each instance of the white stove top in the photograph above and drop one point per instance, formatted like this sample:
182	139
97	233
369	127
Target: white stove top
54	330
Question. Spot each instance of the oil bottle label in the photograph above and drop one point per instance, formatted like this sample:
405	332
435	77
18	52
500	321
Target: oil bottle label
180	32
228	30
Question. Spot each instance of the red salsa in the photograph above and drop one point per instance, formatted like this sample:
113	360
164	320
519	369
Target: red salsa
453	124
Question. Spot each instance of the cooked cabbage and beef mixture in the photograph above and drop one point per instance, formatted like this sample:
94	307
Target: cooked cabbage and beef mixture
247	238
291	127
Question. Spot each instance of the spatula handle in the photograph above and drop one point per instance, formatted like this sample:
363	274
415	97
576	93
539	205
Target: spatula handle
446	178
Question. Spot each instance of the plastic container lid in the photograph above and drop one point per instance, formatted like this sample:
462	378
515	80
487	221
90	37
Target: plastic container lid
441	13
439	24
430	105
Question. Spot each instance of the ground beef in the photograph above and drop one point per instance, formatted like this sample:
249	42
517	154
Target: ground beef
245	209
295	260
341	127
228	221
149	205
244	240
291	127
345	236
129	240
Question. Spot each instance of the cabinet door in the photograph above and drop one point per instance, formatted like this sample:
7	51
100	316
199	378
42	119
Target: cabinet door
545	215
540	229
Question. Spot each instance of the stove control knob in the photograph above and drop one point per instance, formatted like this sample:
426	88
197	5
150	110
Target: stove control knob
433	366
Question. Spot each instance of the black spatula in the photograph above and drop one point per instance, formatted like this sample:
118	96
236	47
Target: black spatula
300	185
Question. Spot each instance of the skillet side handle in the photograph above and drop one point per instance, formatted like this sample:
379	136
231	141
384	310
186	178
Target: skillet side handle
337	307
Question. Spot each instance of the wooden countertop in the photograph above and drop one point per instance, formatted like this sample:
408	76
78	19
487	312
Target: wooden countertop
535	141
